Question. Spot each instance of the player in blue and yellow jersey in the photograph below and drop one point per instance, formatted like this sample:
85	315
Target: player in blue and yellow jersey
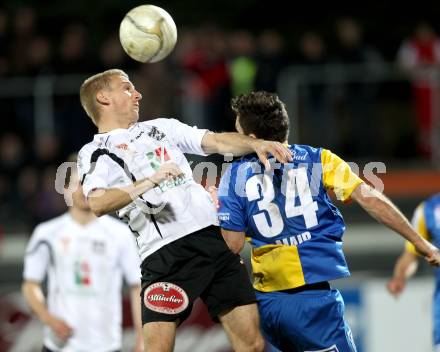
426	220
296	231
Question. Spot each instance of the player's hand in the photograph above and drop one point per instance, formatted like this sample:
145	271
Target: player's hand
396	286
60	328
166	171
434	258
277	149
212	190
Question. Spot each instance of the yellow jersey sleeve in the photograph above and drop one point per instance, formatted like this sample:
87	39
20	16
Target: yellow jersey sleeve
338	176
419	223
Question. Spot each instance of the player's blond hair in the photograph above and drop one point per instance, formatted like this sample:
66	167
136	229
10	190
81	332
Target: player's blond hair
91	86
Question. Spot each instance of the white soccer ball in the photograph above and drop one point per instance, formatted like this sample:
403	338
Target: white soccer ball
148	33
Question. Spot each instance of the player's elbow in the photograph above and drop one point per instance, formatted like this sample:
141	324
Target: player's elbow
234	240
28	286
236	248
234	245
211	143
367	197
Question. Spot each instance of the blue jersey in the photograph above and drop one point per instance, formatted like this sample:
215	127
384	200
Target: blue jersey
295	229
426	220
432	218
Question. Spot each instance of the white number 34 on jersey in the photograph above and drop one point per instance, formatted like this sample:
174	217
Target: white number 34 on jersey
297	182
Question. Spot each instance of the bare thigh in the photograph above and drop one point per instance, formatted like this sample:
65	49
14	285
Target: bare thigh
159	336
242	325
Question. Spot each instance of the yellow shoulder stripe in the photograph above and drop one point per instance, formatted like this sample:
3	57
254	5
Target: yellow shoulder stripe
338	176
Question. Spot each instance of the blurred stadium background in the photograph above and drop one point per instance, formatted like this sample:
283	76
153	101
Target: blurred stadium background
359	79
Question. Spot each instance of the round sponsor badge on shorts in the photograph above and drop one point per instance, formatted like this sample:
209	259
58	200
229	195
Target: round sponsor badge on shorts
165	297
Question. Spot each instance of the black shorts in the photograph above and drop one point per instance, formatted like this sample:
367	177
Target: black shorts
197	265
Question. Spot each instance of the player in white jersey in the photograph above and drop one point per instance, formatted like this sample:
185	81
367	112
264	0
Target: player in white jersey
139	170
85	259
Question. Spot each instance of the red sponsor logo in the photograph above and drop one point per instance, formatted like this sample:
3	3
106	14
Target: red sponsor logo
162	152
122	146
165	297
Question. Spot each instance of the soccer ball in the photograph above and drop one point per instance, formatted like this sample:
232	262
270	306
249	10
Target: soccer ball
148	33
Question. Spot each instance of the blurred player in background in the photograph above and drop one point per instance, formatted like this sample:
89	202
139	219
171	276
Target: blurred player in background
426	220
139	170
296	231
85	259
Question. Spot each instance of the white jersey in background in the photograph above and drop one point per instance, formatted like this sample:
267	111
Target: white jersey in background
85	266
165	213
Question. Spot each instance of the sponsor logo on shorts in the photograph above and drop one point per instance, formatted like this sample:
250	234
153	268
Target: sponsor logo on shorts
165	297
329	349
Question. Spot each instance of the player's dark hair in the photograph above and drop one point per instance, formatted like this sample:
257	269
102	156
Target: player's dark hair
262	114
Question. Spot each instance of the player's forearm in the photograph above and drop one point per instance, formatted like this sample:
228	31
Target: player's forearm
228	143
406	266
104	201
135	293
35	299
384	211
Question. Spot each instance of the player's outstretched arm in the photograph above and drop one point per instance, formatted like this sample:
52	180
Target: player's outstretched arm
104	201
35	299
406	266
384	211
238	144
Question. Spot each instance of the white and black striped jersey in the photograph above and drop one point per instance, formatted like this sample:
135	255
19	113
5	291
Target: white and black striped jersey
167	212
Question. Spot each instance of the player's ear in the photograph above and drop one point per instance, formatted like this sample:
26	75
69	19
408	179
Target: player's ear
102	98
